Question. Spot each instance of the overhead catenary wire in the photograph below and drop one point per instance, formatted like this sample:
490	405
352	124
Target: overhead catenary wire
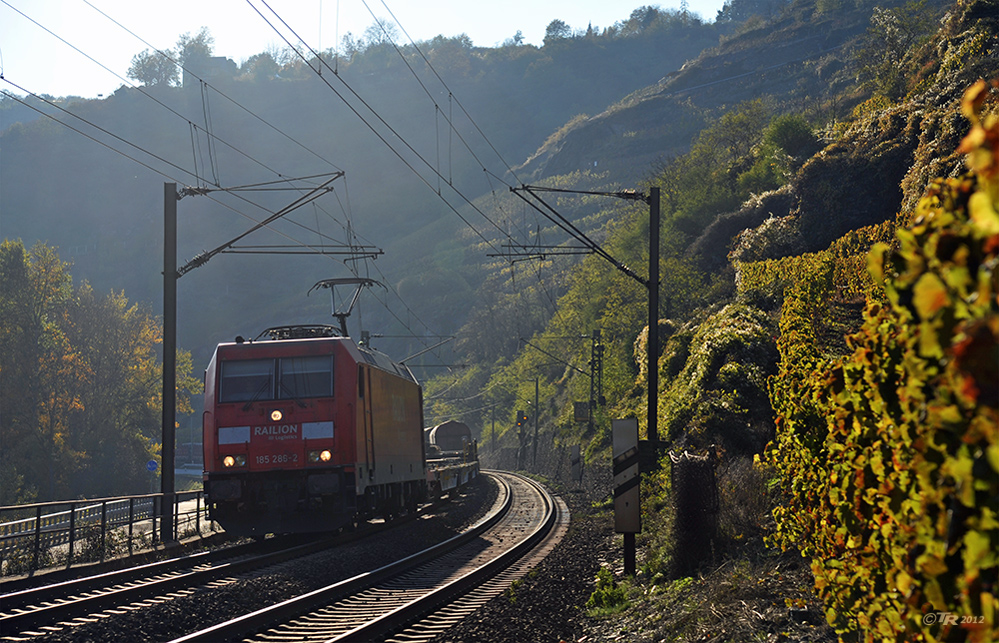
133	158
194	75
209	165
320	62
206	85
197	174
559	220
195	139
452	130
379	118
126	81
450	94
437	115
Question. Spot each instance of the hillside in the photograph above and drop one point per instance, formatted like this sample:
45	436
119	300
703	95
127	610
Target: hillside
828	318
823	344
800	61
102	210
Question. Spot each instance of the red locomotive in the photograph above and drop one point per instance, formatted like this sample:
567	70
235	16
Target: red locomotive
307	431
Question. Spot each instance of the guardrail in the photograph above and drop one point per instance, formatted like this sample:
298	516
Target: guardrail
73	531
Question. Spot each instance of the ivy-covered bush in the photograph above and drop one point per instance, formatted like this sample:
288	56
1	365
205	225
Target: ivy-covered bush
714	372
890	455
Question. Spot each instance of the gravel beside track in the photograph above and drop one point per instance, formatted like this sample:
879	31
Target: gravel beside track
547	605
203	607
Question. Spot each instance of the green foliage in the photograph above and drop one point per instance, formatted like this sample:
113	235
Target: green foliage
739	11
786	143
20	558
153	68
890	454
608	598
79	408
194	51
714	373
700	185
792	134
885	54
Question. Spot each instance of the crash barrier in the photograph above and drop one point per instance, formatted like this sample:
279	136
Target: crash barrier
62	533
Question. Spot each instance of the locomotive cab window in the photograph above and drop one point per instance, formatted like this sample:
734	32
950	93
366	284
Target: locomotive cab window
301	377
246	380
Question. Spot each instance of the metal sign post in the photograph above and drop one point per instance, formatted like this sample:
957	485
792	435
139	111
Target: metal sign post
627	498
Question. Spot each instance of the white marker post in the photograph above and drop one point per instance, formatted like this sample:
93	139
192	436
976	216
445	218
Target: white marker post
627	498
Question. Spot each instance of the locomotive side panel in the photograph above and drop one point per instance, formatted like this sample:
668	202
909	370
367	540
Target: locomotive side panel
394	428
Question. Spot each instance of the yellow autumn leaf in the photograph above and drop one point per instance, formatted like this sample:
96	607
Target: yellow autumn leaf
929	295
932	565
876	261
974	97
983	213
904	583
987	519
976	547
877	465
950	414
931	589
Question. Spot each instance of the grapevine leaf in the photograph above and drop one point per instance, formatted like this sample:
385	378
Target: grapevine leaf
929	295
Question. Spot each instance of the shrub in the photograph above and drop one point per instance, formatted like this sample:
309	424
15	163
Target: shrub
890	455
608	597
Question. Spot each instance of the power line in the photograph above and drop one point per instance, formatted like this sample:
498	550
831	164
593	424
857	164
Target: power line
450	95
145	93
371	127
209	85
322	63
132	158
191	124
205	85
229	248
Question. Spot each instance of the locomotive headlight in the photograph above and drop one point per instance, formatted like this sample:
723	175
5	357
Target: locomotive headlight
276	415
320	456
230	461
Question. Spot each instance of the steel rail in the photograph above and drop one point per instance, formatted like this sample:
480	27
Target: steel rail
35	607
285	611
403	616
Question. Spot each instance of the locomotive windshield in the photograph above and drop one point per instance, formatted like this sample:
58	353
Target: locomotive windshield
305	377
246	380
287	378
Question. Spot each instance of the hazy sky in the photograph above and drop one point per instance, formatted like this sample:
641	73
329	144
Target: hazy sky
41	63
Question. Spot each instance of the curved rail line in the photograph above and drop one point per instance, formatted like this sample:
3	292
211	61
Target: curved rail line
27	610
379	603
446	616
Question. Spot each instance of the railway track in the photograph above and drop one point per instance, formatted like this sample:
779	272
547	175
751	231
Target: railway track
419	596
37	610
47	608
100	599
